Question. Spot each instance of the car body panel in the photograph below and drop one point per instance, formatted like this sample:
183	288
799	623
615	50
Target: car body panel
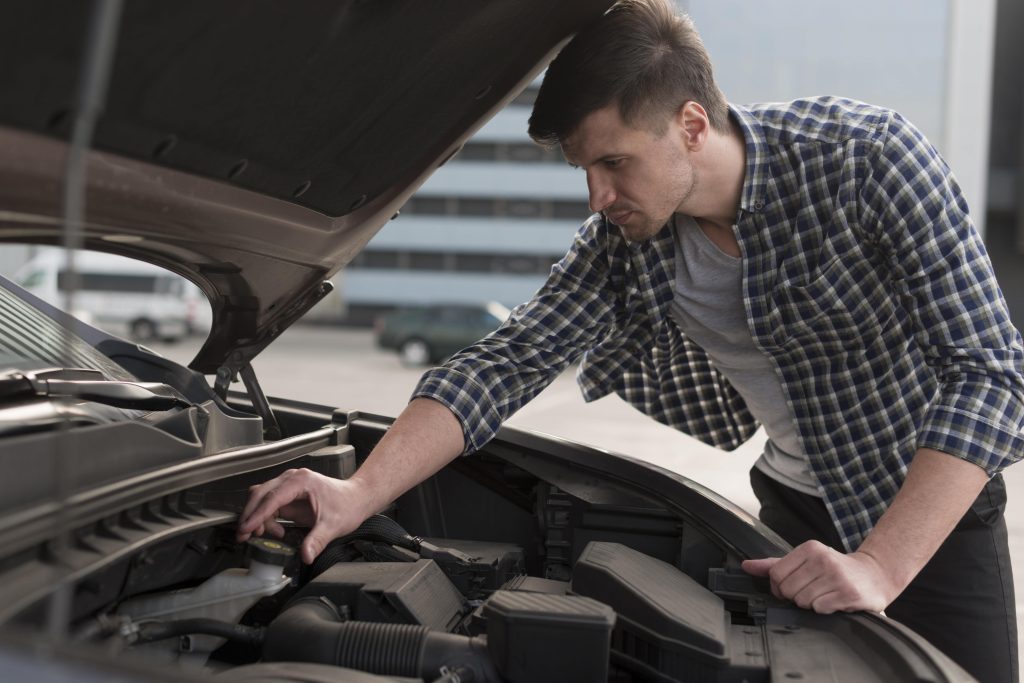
257	167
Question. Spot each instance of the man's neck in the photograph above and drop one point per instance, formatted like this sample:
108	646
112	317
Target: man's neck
722	175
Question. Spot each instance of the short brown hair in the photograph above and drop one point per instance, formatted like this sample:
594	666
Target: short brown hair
642	55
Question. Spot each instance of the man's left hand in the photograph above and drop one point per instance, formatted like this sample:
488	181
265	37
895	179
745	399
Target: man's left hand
817	577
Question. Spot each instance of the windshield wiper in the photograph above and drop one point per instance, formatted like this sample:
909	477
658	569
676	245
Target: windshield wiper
19	386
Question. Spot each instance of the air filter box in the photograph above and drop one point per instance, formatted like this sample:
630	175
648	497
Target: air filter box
669	628
396	592
543	638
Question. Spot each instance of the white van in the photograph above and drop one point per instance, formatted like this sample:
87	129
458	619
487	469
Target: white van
123	296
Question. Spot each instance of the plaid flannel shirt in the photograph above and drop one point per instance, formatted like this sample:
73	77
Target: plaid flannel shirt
864	280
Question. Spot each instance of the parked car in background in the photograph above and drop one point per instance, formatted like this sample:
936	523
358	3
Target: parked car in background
123	296
430	334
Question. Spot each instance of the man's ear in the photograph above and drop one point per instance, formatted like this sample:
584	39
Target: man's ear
694	124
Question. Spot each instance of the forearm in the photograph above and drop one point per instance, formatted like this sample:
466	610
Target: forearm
938	490
424	438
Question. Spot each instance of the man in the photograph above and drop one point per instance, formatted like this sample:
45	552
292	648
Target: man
806	266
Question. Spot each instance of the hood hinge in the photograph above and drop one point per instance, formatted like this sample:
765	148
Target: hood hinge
227	372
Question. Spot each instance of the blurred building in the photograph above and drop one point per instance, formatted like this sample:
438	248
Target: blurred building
489	224
486	226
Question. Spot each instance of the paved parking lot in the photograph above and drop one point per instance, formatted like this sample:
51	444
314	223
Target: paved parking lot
341	367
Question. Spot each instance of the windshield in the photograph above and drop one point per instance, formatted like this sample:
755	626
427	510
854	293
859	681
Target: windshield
29	340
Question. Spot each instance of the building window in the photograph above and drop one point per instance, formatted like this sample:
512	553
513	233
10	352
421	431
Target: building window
476	207
516	264
479	151
426	260
520	208
518	152
524	153
428	206
493	207
378	259
473	263
563	209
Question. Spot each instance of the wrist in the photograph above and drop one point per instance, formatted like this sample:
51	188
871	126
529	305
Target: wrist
366	498
891	575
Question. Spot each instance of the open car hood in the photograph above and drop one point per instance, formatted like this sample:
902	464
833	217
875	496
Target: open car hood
256	147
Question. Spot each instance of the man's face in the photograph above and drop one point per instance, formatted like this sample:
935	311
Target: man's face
636	178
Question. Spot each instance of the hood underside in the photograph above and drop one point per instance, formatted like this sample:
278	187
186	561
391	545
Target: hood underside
256	147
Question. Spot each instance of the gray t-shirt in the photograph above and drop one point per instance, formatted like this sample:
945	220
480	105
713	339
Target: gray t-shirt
708	307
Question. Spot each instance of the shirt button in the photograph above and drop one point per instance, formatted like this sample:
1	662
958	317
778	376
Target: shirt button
758	204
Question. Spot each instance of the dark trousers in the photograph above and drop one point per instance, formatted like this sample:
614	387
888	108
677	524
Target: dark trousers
962	601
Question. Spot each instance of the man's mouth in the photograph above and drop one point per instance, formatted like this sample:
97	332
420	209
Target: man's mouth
618	217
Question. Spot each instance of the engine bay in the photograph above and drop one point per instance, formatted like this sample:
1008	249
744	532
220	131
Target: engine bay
385	603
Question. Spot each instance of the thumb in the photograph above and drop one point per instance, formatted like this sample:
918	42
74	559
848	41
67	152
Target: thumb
315	542
759	567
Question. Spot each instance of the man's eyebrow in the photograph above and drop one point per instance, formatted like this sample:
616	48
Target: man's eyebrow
603	157
570	159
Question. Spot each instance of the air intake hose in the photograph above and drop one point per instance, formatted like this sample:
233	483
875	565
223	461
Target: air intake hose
381	528
375	528
311	631
385	530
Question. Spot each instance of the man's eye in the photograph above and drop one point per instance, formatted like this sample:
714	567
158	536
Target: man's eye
612	163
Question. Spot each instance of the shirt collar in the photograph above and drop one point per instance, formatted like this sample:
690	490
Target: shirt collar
752	199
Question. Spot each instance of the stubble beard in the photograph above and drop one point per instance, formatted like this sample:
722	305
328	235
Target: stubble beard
650	225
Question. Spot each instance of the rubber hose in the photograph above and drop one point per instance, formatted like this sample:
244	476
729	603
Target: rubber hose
381	528
335	552
309	631
150	631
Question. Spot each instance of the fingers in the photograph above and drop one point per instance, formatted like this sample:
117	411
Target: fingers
273	528
264	502
760	567
809	590
306	498
805	574
331	507
830	602
794	576
817	577
315	542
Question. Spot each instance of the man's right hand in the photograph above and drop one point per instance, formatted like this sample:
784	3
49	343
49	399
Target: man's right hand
424	438
329	507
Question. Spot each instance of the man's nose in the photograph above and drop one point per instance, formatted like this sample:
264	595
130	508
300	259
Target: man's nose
602	194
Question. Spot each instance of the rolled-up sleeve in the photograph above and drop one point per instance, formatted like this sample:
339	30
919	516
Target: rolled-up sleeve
943	273
486	383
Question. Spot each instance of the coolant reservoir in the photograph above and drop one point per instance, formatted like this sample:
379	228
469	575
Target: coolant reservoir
225	596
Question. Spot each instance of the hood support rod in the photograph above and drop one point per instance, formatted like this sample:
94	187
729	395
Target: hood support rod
271	429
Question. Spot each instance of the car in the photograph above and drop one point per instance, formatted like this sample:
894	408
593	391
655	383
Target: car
254	148
430	334
124	296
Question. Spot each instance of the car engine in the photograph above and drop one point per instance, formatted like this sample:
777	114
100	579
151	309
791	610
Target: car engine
381	604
